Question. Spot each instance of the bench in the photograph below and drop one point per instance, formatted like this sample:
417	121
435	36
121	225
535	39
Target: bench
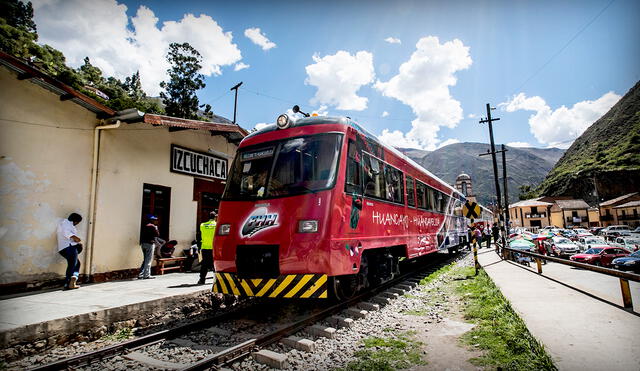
160	264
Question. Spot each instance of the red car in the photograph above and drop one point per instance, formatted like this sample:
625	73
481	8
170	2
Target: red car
601	256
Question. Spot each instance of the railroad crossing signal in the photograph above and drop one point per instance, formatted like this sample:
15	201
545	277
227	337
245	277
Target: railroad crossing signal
471	210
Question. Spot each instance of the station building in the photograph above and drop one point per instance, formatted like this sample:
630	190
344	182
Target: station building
560	212
63	152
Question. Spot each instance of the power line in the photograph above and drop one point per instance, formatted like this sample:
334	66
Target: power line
564	47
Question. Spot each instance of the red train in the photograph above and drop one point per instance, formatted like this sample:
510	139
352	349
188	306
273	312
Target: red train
318	207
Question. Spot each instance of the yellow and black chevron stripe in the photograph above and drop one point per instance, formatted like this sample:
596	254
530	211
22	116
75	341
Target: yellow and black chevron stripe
306	286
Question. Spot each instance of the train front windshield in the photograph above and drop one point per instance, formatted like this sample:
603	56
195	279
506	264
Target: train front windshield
285	168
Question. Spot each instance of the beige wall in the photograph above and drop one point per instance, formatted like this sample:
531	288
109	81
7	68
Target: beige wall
45	164
46	149
130	156
526	210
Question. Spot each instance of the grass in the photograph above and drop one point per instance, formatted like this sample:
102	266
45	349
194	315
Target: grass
122	334
436	274
385	354
499	331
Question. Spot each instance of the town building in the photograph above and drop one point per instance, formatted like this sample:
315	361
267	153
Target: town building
63	152
609	210
628	213
464	186
571	213
530	213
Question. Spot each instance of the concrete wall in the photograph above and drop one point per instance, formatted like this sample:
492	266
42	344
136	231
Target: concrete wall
46	150
130	156
45	167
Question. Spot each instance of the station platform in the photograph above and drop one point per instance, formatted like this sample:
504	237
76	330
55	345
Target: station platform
576	314
41	315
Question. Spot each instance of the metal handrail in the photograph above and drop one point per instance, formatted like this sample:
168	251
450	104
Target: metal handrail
624	277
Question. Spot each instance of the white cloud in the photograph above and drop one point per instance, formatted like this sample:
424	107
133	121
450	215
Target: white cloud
385	114
447	142
322	111
519	144
258	38
560	127
397	139
472	115
338	78
423	84
240	66
120	46
393	40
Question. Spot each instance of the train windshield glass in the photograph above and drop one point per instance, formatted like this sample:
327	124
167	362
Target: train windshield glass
285	168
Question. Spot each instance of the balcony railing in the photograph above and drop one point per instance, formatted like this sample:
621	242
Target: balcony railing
533	216
606	218
577	219
629	217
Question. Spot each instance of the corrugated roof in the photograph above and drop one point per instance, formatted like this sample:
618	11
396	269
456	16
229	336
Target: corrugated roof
617	199
628	204
234	131
572	204
34	75
530	203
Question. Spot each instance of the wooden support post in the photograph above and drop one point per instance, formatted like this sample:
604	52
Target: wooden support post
539	263
626	294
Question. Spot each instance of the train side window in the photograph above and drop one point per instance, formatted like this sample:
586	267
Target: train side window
410	195
430	199
421	193
352	179
373	177
393	184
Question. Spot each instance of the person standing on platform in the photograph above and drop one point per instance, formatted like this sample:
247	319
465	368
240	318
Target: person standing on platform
487	235
495	231
69	247
207	234
147	243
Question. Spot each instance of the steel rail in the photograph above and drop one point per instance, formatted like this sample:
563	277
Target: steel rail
89	357
244	349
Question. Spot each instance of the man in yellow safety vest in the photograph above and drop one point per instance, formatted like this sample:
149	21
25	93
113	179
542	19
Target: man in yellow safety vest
207	234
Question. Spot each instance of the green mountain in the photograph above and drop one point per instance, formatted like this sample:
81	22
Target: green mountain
525	166
605	158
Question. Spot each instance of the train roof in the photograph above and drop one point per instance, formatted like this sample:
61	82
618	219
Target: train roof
320	120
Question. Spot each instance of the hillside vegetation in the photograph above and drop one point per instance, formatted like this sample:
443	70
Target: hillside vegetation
525	166
607	153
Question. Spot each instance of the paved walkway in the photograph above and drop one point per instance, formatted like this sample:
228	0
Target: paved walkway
575	313
39	315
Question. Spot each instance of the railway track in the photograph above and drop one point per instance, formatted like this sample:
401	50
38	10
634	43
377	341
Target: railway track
229	337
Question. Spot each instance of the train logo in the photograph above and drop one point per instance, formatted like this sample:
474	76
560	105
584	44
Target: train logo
258	221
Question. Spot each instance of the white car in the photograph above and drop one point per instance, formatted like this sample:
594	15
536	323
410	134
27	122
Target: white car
564	247
629	243
586	243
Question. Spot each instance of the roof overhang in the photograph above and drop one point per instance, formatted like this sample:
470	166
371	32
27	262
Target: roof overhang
28	72
232	132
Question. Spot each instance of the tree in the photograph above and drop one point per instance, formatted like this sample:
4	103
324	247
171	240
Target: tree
180	99
18	14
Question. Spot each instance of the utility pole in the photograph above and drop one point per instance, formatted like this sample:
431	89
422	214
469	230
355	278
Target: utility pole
504	185
235	103
489	120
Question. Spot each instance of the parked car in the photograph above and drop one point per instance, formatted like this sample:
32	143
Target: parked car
563	247
586	243
601	256
628	263
596	230
627	243
568	233
581	231
636	232
613	231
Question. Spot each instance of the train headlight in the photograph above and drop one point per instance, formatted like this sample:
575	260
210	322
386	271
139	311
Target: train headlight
308	226
224	229
283	121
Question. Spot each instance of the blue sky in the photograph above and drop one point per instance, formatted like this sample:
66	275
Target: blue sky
550	67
